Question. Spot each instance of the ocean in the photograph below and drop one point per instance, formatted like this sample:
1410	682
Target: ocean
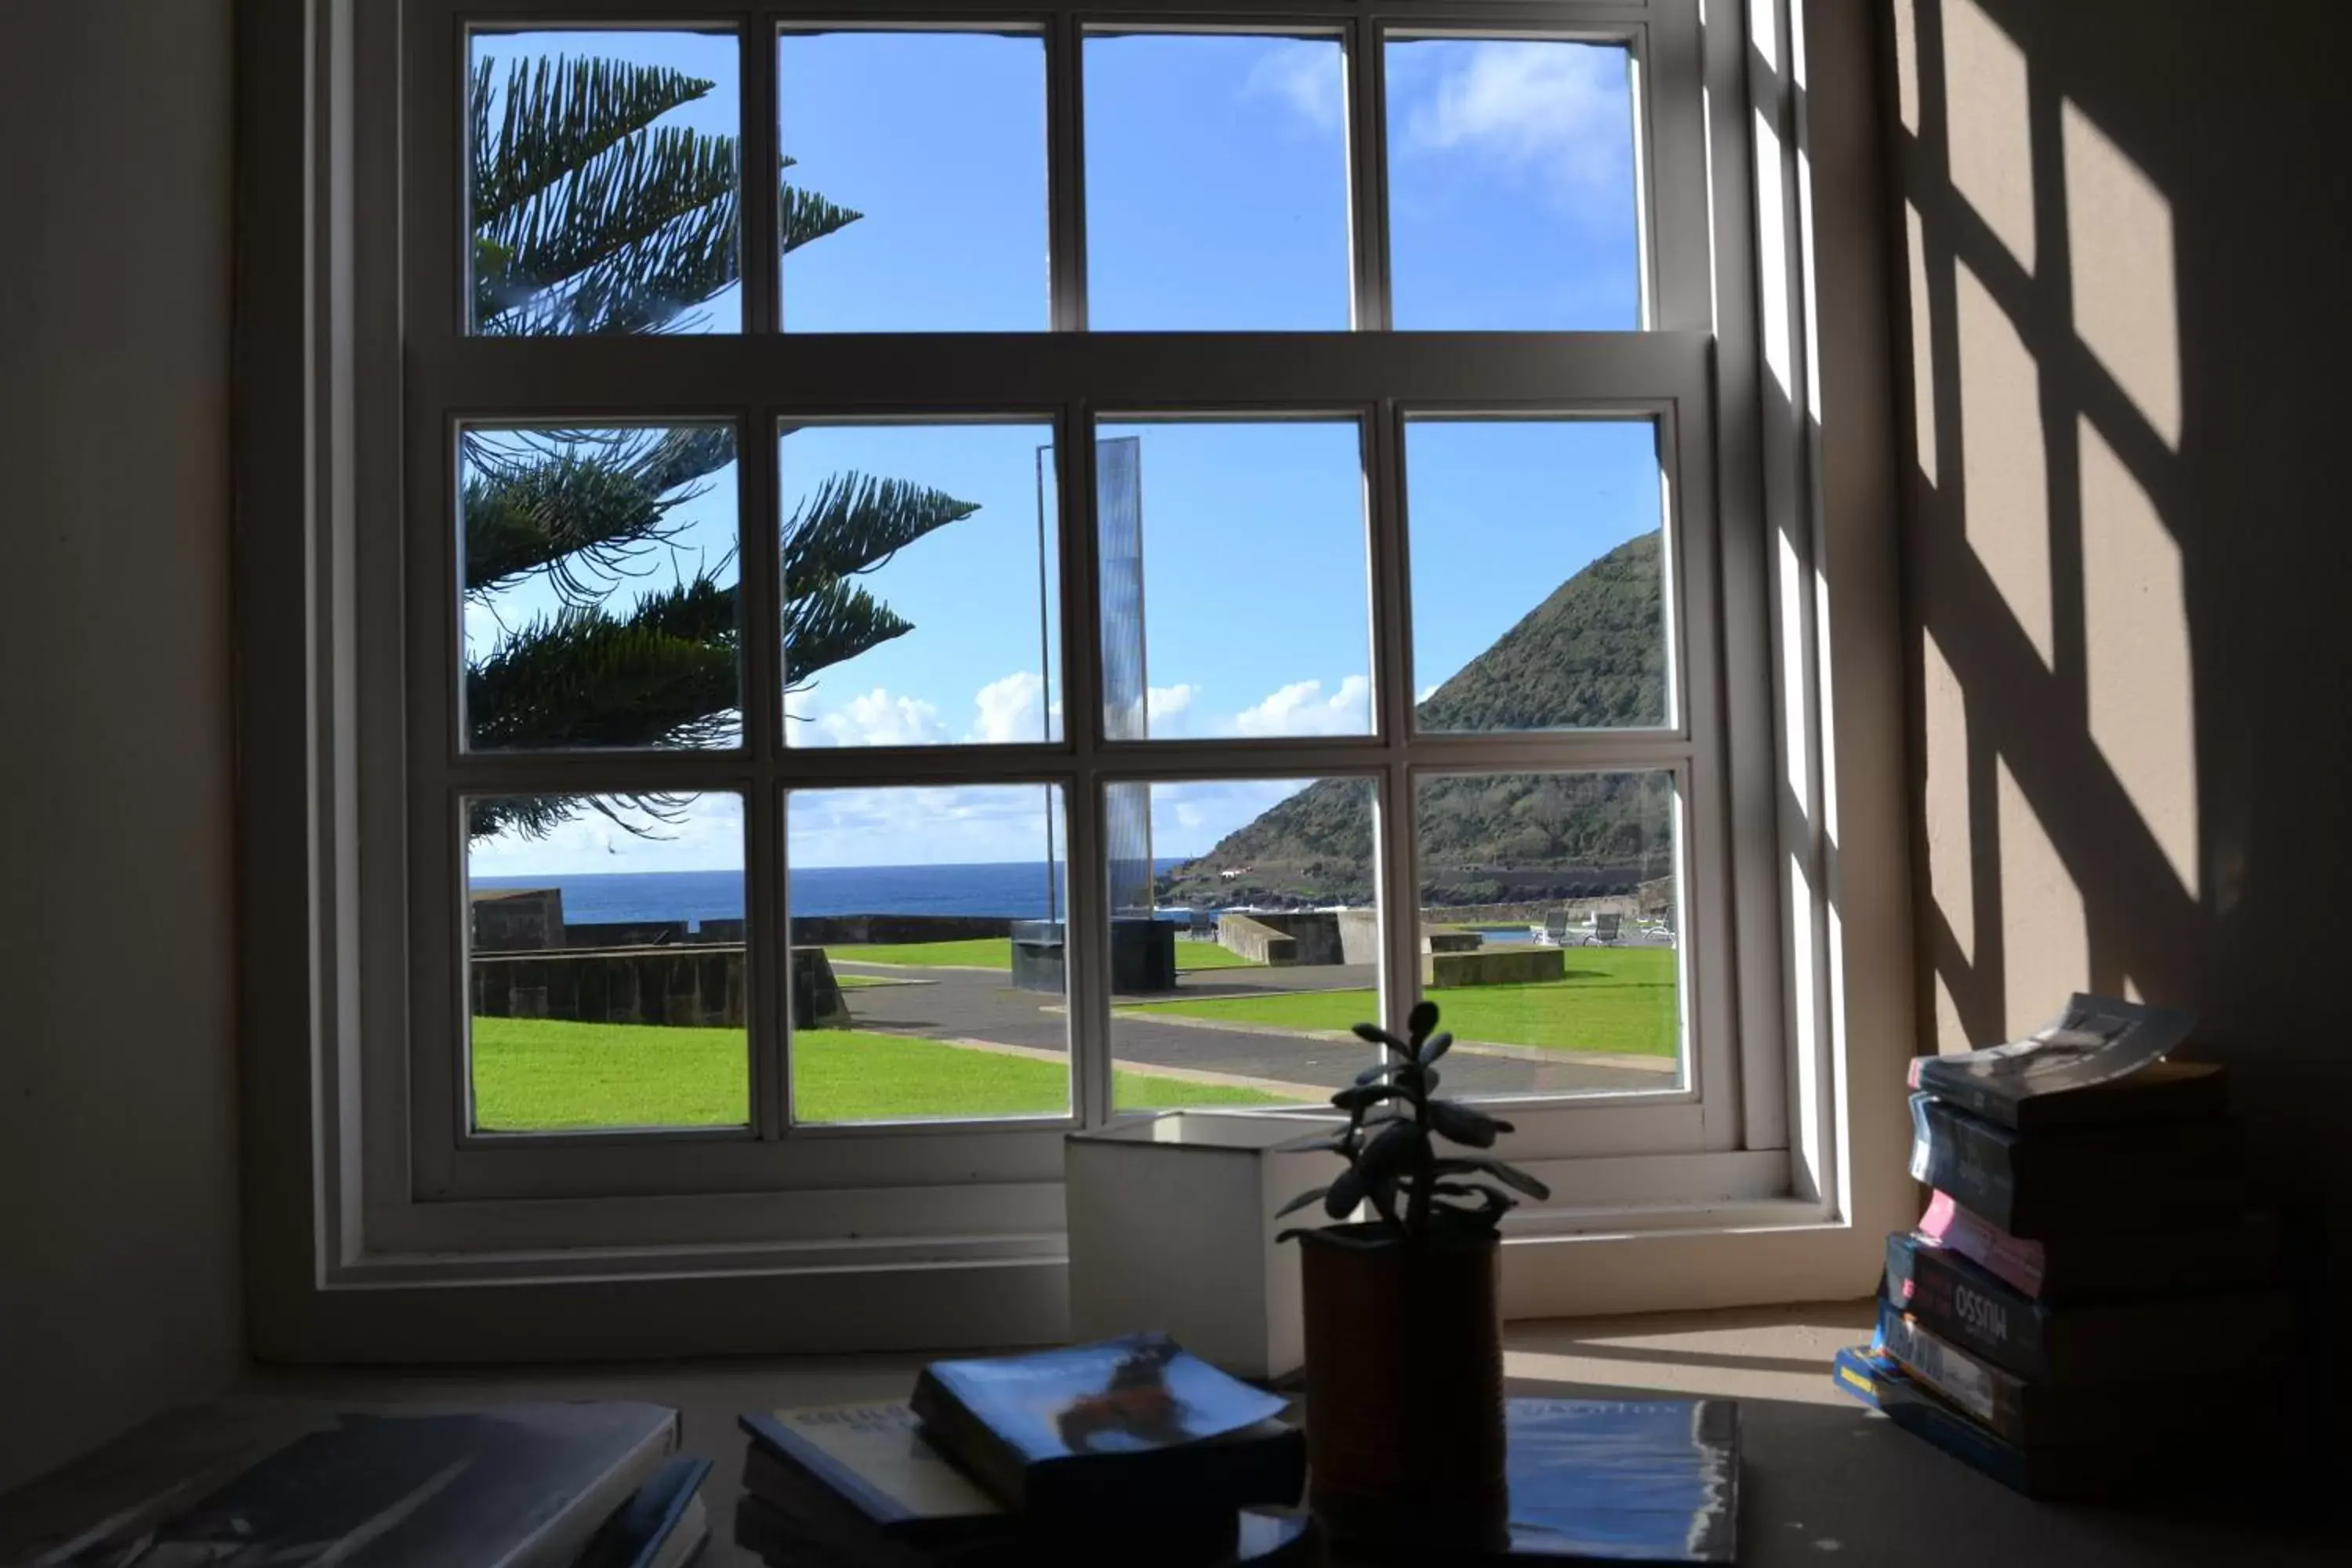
1015	891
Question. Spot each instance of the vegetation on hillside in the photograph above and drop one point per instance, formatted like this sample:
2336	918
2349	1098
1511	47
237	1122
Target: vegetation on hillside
1592	655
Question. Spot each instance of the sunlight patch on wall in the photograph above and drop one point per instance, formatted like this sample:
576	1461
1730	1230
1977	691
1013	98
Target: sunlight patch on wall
1990	133
2120	253
2142	682
1772	254
1951	1034
1951	857
1923	344
2002	459
1906	65
2045	942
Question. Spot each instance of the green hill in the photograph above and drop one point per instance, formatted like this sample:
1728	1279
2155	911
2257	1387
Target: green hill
1592	655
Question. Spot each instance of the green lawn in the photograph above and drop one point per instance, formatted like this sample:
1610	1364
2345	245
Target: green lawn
533	1074
1613	999
996	953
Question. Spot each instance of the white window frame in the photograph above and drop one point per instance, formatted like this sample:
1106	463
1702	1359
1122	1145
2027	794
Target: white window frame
385	1194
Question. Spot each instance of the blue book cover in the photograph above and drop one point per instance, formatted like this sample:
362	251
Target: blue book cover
1136	1426
1650	1480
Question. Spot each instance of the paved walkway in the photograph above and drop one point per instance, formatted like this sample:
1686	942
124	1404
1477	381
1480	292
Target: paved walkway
981	1007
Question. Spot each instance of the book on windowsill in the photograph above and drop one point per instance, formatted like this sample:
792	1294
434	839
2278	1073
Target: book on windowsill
2114	1180
1123	1431
517	1486
2098	1063
2175	1336
2236	1252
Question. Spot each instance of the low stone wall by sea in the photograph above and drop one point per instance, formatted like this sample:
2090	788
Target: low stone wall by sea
675	987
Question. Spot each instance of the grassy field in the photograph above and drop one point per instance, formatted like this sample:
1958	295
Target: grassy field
996	953
1613	999
535	1074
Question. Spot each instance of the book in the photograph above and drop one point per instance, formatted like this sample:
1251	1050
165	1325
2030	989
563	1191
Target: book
2022	1411
1970	1307
1869	1375
662	1525
2237	1252
1649	1481
2038	1185
1255	1537
1124	1429
864	1470
518	1486
2094	1064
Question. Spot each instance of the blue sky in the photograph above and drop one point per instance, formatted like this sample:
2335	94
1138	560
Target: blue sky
1217	197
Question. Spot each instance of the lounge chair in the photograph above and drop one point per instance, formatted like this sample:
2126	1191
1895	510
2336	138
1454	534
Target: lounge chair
1606	930
1553	931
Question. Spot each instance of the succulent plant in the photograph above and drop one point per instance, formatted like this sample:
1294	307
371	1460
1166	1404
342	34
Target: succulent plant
1391	1144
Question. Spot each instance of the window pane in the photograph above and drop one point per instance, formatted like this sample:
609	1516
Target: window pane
599	591
1216	184
914	196
1235	586
1513	198
926	953
604	961
1551	928
921	585
1539	598
605	186
1244	940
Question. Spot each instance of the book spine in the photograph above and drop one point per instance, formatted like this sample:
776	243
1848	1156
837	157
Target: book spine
1967	1306
1991	1396
963	1438
1971	1159
2021	1264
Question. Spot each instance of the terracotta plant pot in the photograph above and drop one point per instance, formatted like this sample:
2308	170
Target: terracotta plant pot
1404	1388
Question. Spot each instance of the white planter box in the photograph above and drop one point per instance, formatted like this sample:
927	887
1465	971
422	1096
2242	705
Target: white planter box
1172	1227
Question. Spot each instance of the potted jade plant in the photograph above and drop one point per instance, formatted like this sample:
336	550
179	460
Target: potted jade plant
1404	1351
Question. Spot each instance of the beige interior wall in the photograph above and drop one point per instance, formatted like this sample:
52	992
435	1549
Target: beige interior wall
117	1175
2123	293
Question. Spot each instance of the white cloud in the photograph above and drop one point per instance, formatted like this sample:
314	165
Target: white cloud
1301	708
1304	73
1165	706
1007	709
877	719
1553	108
1427	692
699	833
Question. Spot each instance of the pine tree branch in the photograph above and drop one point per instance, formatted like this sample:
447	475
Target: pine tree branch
583	508
855	523
665	675
558	113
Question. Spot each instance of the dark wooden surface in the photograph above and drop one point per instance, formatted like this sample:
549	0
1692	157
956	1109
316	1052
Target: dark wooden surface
1823	1481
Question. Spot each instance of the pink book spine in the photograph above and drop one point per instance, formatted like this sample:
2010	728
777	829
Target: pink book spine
1996	1251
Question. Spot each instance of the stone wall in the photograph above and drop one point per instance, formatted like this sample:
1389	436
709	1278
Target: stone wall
1493	966
1256	939
1314	933
825	930
691	987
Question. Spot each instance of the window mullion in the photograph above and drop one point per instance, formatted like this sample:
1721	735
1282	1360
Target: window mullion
767	927
1085	943
1368	174
758	234
1065	175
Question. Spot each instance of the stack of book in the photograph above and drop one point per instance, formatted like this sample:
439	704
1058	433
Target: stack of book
2089	1285
1132	1451
1128	1450
516	1486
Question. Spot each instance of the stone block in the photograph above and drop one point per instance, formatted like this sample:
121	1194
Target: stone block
1492	966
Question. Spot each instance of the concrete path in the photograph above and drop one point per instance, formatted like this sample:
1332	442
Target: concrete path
982	1008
